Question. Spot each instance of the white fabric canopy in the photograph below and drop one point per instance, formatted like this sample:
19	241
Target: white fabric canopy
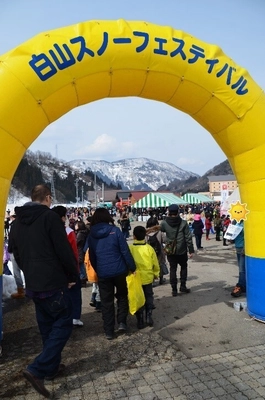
195	198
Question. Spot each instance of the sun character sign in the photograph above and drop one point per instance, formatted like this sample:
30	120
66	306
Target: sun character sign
238	211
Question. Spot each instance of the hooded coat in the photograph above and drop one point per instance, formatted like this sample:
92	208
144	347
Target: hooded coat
108	251
41	248
146	261
197	226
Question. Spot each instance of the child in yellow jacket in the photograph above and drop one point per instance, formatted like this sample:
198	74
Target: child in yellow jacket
147	264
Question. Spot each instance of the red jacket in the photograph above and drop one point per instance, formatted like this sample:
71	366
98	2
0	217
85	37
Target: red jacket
71	236
208	223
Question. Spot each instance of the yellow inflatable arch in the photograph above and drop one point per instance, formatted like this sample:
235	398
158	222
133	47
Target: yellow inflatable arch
52	73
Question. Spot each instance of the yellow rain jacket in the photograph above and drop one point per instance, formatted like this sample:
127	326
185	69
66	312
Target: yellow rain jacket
146	261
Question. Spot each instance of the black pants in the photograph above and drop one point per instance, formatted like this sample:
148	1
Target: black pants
107	294
182	260
218	232
149	296
198	239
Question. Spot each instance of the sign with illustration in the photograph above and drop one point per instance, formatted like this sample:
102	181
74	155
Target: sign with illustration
238	211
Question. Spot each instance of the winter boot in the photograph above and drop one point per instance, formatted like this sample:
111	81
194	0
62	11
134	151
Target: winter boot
183	288
19	295
140	319
92	302
149	319
174	290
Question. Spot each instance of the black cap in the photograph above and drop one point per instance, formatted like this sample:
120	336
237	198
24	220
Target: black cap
173	208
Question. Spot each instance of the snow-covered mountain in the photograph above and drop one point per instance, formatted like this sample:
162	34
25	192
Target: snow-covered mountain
133	173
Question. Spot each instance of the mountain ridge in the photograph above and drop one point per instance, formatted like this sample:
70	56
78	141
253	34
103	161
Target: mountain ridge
72	180
134	173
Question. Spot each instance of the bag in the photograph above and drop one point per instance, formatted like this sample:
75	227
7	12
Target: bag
90	272
170	248
136	296
154	242
164	268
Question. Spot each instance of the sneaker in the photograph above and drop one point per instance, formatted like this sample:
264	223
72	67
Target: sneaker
109	336
77	322
98	306
122	327
184	289
237	291
92	302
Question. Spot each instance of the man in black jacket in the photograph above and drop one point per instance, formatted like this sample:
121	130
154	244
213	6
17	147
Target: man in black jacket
177	229
42	251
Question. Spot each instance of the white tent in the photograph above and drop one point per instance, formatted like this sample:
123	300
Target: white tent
155	200
196	198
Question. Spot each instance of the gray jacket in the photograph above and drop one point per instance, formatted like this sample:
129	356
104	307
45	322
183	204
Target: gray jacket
184	237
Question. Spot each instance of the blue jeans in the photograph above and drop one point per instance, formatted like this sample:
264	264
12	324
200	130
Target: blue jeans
75	294
82	271
55	321
126	233
198	239
242	268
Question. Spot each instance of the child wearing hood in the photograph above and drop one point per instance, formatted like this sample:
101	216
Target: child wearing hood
197	227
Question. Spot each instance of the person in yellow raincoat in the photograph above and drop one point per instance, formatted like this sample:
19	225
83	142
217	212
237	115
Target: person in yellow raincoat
147	264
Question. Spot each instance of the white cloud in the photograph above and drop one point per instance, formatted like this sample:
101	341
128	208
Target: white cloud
105	145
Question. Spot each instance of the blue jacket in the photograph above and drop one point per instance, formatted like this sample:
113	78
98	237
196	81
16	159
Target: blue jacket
108	251
239	240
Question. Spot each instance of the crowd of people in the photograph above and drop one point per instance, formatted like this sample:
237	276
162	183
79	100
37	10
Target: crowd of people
58	250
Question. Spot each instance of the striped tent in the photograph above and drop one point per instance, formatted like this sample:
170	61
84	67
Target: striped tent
195	198
156	200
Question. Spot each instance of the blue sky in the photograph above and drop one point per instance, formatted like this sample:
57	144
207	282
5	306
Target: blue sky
112	129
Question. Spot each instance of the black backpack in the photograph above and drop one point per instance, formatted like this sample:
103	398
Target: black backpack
154	242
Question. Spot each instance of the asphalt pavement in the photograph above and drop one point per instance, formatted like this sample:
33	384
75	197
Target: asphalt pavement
200	346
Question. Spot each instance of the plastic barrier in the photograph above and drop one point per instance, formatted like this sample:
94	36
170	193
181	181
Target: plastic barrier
47	76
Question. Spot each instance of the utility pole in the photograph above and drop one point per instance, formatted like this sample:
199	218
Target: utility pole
103	193
53	188
82	195
95	189
76	187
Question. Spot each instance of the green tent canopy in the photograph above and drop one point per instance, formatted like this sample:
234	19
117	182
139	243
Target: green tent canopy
156	200
195	198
